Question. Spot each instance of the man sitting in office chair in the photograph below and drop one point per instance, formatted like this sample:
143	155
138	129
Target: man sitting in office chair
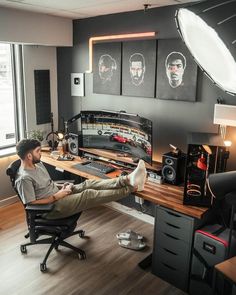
36	187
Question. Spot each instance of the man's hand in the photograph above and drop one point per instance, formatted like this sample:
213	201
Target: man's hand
66	190
63	192
68	185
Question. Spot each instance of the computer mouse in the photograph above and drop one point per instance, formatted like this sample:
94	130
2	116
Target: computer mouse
135	160
123	173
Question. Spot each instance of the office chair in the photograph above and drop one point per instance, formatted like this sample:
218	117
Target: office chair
57	229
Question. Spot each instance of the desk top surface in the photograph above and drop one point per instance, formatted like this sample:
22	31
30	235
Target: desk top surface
228	268
169	196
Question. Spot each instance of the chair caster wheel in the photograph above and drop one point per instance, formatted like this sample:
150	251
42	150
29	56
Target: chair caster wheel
23	249
82	234
43	267
82	256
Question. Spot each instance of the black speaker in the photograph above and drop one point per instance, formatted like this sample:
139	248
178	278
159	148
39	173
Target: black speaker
74	143
173	167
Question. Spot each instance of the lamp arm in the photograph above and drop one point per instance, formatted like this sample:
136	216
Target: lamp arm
71	120
74	118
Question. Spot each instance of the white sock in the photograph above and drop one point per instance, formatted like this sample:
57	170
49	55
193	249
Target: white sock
138	177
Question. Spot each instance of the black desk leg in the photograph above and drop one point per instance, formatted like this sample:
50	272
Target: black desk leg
146	262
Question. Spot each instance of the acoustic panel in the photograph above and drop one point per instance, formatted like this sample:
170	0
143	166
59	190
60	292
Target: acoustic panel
42	96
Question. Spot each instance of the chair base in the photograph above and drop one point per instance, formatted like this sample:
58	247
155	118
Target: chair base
55	242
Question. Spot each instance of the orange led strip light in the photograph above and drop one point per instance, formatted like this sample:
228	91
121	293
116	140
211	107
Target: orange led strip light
92	40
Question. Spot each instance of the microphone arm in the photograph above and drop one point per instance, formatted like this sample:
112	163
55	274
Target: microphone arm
71	120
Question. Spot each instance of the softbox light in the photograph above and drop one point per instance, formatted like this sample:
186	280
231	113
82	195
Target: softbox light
208	30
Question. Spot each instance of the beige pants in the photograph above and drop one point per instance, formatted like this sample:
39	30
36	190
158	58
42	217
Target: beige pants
90	193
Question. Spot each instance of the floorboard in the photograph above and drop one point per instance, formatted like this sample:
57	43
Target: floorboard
108	270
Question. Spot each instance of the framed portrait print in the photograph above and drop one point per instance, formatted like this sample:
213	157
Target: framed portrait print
138	68
176	71
107	68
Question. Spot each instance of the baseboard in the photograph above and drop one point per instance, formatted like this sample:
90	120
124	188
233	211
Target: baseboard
113	205
121	208
9	201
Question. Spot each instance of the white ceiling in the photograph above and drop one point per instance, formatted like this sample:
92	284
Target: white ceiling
77	9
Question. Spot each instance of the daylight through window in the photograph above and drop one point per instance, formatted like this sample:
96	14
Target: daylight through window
7	114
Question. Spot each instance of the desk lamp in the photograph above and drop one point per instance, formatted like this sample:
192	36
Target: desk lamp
208	30
223	186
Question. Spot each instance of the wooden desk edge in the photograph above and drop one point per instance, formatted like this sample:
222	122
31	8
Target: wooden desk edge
168	196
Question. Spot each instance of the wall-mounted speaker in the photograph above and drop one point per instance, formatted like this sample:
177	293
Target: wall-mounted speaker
173	167
74	143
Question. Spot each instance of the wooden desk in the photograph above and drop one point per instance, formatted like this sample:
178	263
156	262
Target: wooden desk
175	223
226	271
169	196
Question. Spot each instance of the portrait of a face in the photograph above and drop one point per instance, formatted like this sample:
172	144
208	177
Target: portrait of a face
137	68
176	71
175	65
106	67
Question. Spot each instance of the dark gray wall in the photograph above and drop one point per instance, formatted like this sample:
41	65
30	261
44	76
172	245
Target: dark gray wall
172	120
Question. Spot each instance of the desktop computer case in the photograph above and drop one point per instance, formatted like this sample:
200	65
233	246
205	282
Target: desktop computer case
206	154
210	248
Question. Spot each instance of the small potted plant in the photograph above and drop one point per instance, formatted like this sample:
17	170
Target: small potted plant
36	134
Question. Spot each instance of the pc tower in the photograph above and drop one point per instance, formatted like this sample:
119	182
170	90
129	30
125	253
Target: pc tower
206	154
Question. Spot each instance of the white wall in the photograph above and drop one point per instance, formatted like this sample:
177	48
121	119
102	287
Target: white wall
34	28
35	58
39	58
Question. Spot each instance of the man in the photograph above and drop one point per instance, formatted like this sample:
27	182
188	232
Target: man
36	187
106	66
175	65
137	68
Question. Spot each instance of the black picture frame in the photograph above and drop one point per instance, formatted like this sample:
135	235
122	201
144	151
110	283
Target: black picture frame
139	68
176	71
107	68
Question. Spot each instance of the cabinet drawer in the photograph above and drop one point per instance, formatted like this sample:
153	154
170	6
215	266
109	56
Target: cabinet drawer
172	243
177	258
175	224
171	274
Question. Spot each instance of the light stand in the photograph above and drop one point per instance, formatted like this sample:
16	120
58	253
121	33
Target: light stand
52	142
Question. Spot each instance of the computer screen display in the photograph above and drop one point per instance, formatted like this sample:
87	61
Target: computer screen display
119	131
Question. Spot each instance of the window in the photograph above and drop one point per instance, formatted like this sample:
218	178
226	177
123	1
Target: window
12	99
7	98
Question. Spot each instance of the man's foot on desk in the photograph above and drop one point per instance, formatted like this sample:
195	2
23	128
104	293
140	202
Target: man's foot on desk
137	178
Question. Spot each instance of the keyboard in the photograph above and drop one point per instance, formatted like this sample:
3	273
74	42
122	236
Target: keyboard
85	167
100	167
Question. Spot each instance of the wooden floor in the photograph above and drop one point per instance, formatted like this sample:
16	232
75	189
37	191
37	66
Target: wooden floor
108	269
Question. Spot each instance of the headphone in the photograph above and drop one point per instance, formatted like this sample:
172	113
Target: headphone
53	143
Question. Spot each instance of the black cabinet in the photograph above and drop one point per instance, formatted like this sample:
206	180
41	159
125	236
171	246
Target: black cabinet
173	239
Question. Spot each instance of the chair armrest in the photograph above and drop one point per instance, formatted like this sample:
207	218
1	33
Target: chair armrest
40	208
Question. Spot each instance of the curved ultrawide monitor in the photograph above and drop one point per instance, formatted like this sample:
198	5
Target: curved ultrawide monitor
118	131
